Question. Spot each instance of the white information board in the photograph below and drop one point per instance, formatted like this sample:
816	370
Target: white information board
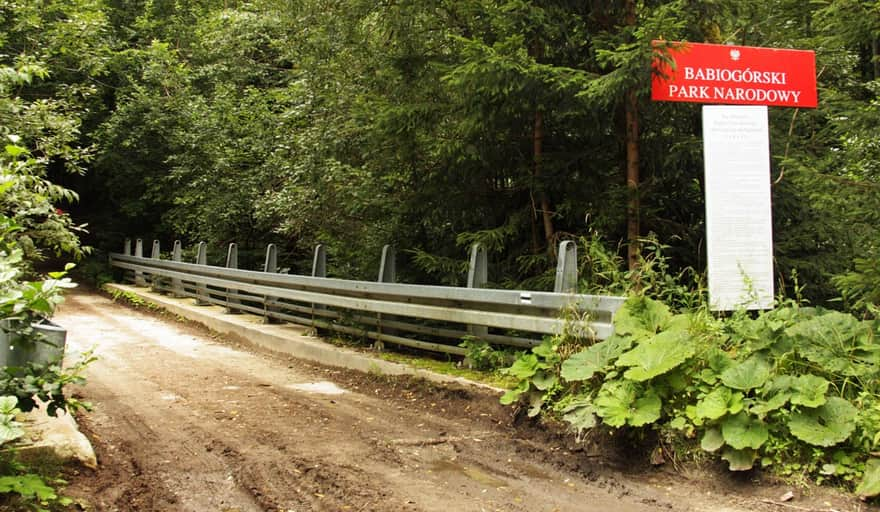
739	224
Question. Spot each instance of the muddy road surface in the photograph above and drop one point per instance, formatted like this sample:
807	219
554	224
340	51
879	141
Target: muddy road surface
184	421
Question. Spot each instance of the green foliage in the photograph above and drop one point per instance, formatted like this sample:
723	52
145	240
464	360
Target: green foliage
45	382
585	364
537	375
23	302
794	387
657	355
10	430
749	374
827	425
432	125
861	287
621	403
40	127
480	355
870	484
31	490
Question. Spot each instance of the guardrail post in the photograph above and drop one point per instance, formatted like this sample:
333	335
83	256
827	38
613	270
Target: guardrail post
155	254
232	262
270	265
388	265
387	274
566	268
319	261
139	253
126	250
478	277
176	283
201	259
319	269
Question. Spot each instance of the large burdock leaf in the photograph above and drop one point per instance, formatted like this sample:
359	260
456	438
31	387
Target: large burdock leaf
536	403
657	355
580	414
544	380
622	402
771	404
645	410
715	404
775	394
826	425
641	317
809	390
744	431
870	484
513	394
837	342
739	460
584	364
712	440
749	374
613	402
524	367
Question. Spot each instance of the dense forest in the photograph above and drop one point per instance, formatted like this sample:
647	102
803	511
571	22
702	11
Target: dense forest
429	125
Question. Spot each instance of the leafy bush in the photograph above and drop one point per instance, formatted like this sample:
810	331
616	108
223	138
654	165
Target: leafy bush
861	287
30	491
794	388
480	355
29	224
45	382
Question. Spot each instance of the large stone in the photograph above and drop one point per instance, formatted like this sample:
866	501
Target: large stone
54	438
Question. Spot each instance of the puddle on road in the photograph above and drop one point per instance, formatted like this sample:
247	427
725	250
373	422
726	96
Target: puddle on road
529	471
450	466
323	388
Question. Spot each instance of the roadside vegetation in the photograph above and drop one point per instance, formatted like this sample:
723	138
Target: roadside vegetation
32	229
793	390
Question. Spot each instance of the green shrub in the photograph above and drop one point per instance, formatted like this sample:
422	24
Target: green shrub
794	388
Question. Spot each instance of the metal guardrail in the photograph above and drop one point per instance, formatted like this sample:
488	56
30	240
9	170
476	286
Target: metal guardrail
433	318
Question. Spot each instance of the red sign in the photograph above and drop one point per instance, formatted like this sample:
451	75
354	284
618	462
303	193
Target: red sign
734	75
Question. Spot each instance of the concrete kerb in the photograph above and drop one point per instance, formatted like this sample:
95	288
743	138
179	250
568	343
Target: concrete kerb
287	339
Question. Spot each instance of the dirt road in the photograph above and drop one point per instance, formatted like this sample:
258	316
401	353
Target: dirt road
186	422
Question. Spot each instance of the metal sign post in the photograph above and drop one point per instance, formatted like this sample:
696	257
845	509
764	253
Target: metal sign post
744	80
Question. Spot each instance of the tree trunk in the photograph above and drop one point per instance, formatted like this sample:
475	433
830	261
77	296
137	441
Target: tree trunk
536	50
633	229
546	212
876	59
632	180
